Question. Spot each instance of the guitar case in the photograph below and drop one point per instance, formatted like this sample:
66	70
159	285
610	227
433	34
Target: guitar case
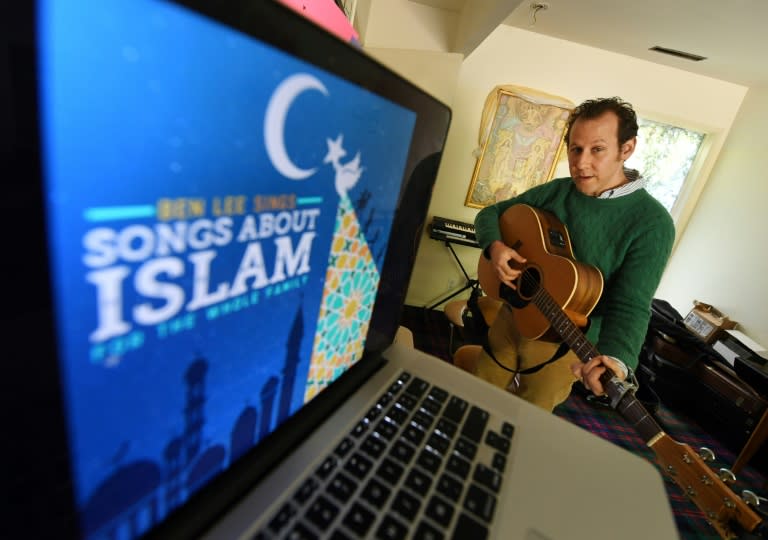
689	376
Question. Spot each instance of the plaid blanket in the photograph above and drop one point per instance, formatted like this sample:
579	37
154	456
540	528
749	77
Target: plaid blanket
609	425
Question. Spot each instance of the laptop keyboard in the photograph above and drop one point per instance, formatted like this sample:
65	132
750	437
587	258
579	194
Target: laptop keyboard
421	464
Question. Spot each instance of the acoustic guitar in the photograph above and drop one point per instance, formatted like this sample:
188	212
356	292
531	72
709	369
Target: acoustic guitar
553	298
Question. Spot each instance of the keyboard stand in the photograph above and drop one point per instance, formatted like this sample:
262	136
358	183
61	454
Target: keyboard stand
470	283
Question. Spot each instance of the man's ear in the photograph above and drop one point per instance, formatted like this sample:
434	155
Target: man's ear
628	148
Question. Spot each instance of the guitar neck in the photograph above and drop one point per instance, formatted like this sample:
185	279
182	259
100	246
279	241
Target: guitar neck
624	401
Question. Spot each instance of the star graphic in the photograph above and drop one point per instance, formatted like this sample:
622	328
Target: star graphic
335	151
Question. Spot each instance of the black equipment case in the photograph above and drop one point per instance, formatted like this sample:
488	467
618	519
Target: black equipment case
691	377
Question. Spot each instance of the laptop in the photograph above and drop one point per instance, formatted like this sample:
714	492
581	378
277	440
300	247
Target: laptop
213	211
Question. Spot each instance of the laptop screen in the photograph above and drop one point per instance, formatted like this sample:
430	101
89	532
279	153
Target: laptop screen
219	211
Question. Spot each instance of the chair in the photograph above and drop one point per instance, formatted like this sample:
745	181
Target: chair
458	314
454	312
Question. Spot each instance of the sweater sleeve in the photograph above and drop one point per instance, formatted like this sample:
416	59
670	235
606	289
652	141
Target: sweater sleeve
627	298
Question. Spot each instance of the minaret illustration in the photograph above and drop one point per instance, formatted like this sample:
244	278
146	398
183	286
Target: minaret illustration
193	412
268	394
292	358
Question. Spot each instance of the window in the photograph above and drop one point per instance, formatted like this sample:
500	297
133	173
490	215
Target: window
664	156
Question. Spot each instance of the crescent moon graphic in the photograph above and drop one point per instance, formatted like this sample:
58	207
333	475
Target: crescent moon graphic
274	123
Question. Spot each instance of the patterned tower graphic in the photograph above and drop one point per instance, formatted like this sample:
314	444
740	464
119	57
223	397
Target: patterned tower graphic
351	283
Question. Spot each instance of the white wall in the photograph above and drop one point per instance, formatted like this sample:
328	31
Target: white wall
721	259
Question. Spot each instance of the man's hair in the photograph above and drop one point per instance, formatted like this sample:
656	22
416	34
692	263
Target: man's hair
592	108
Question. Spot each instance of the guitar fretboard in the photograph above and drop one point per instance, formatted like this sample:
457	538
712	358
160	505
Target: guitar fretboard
626	403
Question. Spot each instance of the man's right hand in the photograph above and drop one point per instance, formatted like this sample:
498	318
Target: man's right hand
501	257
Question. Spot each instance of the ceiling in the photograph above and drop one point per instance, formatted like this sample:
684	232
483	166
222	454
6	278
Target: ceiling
732	35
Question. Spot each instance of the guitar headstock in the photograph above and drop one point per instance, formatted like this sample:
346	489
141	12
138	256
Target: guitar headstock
704	487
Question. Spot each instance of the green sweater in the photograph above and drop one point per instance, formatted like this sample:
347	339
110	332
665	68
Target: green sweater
629	238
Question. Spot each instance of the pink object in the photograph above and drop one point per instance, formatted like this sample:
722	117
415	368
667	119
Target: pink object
326	14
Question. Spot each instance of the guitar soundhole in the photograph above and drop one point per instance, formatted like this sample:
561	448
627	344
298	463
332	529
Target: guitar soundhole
528	282
527	285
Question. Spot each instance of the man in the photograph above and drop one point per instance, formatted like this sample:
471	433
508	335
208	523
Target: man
615	225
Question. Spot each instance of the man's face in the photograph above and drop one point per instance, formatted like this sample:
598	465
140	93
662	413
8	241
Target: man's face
595	159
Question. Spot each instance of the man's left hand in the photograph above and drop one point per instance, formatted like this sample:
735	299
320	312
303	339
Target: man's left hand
589	373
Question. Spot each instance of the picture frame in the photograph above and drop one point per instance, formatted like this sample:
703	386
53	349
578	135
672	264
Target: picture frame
521	139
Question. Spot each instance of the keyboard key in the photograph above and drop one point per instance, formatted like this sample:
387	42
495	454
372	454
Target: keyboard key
480	502
283	517
301	532
425	531
358	465
397	415
440	511
386	399
402	451
387	429
431	406
359	519
507	430
306	490
438	443
340	535
360	428
390	471
466	527
374	412
406	505
458	466
326	467
466	448
391	529
497	442
373	446
429	460
322	512
487	477
407	402
413	434
474	427
450	487
423	419
418	481
342	487
446	427
499	462
403	378
344	447
417	387
438	394
376	493
455	409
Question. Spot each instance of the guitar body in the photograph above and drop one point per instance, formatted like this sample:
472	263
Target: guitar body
544	241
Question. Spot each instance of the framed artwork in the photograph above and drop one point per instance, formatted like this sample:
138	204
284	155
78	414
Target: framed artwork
521	138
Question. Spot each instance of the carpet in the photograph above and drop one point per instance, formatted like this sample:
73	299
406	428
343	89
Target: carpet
431	332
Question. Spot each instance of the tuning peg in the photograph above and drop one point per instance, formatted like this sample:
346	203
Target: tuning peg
727	476
706	454
752	498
